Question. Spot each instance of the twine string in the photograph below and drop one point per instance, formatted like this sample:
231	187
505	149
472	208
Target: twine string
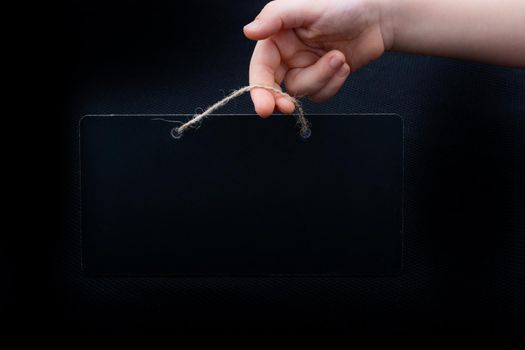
196	119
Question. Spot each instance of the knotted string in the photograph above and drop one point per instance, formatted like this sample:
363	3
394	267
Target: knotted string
196	119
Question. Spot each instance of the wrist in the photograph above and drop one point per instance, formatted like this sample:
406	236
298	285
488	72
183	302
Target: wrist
390	21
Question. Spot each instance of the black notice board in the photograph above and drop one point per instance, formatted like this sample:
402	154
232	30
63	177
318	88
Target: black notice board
242	196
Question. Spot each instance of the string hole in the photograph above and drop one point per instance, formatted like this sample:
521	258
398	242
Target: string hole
175	133
305	133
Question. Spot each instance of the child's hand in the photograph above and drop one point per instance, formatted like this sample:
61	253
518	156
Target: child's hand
313	46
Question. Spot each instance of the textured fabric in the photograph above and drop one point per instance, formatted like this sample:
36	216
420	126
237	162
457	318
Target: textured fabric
464	174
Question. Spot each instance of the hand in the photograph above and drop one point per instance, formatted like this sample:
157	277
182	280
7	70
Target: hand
312	46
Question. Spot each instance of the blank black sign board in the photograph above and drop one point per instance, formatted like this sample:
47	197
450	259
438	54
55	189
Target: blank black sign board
242	196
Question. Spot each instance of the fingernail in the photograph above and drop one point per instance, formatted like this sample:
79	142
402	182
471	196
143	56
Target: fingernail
254	25
344	70
335	62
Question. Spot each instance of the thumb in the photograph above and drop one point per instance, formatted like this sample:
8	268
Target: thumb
275	16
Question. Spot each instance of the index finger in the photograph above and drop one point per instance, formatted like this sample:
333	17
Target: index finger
263	66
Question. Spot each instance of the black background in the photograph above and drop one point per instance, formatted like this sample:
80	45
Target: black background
464	174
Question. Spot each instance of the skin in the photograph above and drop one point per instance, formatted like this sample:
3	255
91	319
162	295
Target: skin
313	46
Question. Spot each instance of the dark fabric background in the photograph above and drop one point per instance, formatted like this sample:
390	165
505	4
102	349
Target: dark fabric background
464	183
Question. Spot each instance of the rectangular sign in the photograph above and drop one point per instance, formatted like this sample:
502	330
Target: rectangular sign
242	196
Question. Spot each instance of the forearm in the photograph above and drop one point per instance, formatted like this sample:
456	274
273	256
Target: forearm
491	31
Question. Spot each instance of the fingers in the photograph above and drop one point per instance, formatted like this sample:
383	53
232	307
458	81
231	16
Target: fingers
320	81
310	80
333	85
264	66
284	105
278	15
